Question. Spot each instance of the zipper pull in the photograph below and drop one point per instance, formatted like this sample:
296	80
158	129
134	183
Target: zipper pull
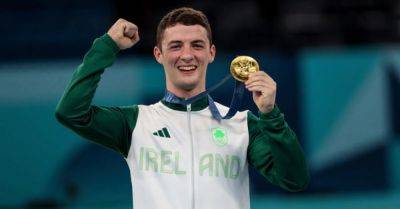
189	107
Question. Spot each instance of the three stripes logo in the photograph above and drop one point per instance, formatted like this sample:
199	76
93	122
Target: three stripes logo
162	133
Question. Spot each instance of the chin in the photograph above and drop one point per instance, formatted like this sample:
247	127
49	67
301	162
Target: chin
187	86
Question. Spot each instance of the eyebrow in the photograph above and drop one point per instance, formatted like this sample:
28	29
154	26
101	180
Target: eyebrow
174	42
198	42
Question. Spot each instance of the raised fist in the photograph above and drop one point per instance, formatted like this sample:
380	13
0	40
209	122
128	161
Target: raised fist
124	33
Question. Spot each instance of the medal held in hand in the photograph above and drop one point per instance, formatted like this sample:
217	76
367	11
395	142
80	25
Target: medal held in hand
241	68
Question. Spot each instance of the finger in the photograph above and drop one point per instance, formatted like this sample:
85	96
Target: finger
121	20
136	37
129	31
260	74
129	27
132	26
256	79
266	83
257	88
262	79
262	83
262	88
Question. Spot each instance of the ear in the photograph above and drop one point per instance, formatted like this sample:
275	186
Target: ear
158	55
213	51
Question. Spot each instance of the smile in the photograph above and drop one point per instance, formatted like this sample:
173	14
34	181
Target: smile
187	68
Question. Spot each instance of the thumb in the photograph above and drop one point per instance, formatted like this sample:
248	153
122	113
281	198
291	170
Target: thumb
129	32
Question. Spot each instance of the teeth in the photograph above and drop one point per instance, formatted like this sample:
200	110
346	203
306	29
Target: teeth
186	67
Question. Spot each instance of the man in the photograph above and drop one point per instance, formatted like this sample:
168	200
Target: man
179	156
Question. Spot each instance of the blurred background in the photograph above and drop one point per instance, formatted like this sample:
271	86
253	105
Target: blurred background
337	65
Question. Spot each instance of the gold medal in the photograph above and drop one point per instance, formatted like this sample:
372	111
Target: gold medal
242	66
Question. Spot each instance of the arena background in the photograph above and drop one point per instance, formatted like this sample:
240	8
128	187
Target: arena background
337	65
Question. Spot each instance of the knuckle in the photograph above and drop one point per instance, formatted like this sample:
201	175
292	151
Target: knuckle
274	86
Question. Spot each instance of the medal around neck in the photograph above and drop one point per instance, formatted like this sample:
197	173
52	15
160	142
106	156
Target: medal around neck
242	67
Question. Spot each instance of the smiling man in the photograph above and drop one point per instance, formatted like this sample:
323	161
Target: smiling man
185	51
179	156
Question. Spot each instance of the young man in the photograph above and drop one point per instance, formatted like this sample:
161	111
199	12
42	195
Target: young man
180	156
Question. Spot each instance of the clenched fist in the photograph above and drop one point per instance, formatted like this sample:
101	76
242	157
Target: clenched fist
124	33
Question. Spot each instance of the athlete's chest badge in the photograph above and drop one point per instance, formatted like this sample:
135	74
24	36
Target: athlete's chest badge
219	136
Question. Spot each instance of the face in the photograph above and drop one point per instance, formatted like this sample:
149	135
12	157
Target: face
185	54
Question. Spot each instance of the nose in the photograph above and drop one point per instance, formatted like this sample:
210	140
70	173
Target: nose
187	54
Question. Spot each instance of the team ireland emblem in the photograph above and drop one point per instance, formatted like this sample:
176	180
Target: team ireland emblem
219	136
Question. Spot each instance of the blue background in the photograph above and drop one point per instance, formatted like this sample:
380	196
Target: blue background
341	99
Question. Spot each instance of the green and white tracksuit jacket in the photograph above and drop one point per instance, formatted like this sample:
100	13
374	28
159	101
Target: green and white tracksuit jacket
179	156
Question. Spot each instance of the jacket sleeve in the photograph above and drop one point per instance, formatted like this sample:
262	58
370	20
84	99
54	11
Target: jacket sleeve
275	151
108	126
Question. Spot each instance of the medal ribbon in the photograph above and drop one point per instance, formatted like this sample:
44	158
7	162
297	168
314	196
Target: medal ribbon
233	108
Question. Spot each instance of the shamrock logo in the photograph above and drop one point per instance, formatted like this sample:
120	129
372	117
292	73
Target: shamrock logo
219	136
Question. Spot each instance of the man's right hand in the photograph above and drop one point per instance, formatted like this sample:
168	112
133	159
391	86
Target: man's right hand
124	33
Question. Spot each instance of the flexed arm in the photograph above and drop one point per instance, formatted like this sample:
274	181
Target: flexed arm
109	126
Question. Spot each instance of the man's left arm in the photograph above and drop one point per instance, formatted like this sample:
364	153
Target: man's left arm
275	151
273	147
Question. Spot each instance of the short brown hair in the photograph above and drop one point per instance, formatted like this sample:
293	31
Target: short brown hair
184	16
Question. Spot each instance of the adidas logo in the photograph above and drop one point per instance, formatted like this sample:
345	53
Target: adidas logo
162	133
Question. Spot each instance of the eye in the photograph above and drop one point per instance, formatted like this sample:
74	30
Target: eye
198	46
174	47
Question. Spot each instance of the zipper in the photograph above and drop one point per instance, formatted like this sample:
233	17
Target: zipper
189	109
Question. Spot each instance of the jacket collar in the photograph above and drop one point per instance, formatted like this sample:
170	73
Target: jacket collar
196	106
